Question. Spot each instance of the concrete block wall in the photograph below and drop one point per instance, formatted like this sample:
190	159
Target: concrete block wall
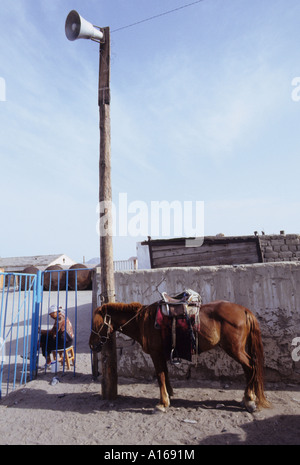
277	248
270	290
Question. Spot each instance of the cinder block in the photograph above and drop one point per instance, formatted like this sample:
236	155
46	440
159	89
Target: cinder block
269	249
277	241
295	241
271	255
284	248
293	248
285	255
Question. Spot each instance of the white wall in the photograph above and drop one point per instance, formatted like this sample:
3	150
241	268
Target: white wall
271	291
63	260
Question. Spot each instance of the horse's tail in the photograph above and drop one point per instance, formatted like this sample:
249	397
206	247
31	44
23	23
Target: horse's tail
256	353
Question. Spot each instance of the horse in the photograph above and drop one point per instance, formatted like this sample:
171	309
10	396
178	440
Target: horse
225	324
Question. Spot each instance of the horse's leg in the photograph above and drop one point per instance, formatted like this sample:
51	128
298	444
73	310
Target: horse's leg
239	354
252	362
249	394
161	369
168	384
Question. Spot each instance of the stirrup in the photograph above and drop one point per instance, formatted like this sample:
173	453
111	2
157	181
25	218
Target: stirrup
174	361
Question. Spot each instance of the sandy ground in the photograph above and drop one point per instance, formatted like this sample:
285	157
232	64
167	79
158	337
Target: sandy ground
202	412
73	412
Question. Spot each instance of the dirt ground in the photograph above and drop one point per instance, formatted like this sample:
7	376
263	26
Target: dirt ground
207	412
202	412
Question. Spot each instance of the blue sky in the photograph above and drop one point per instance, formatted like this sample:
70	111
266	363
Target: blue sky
201	110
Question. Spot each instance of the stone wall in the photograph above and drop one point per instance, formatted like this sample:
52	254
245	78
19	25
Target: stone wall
270	290
281	247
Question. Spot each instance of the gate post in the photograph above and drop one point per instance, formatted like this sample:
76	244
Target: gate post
37	299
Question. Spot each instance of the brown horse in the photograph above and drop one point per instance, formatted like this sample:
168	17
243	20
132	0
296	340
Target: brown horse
231	326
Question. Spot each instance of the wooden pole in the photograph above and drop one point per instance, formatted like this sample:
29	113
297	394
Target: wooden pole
109	353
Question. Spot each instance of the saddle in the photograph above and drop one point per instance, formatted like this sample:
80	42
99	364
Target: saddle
186	303
179	320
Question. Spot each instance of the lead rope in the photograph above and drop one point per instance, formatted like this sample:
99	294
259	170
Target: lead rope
134	316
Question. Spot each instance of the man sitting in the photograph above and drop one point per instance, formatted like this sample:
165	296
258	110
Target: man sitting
60	336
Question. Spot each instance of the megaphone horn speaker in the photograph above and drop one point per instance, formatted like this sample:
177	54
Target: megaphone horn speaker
79	28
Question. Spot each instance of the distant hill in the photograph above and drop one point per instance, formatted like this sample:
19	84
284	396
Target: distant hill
93	261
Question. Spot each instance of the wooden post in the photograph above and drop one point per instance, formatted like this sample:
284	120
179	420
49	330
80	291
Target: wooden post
109	353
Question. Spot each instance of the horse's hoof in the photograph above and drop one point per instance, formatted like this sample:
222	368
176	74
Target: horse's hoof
250	405
160	408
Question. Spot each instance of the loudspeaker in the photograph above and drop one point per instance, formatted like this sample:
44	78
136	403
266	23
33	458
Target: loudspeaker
78	28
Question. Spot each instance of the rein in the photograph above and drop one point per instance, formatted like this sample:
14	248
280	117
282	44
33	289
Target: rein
134	316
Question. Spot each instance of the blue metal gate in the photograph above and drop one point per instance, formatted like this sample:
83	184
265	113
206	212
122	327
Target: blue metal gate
24	303
19	308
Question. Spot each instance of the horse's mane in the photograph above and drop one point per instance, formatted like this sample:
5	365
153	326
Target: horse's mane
120	307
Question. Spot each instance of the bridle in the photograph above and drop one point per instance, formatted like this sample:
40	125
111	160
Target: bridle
110	329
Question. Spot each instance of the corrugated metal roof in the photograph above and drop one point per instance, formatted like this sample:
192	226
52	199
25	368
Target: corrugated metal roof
18	264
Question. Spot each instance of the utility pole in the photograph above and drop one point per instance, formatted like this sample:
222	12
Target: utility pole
109	352
78	28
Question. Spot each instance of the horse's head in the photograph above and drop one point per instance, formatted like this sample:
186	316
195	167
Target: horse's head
112	317
101	329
